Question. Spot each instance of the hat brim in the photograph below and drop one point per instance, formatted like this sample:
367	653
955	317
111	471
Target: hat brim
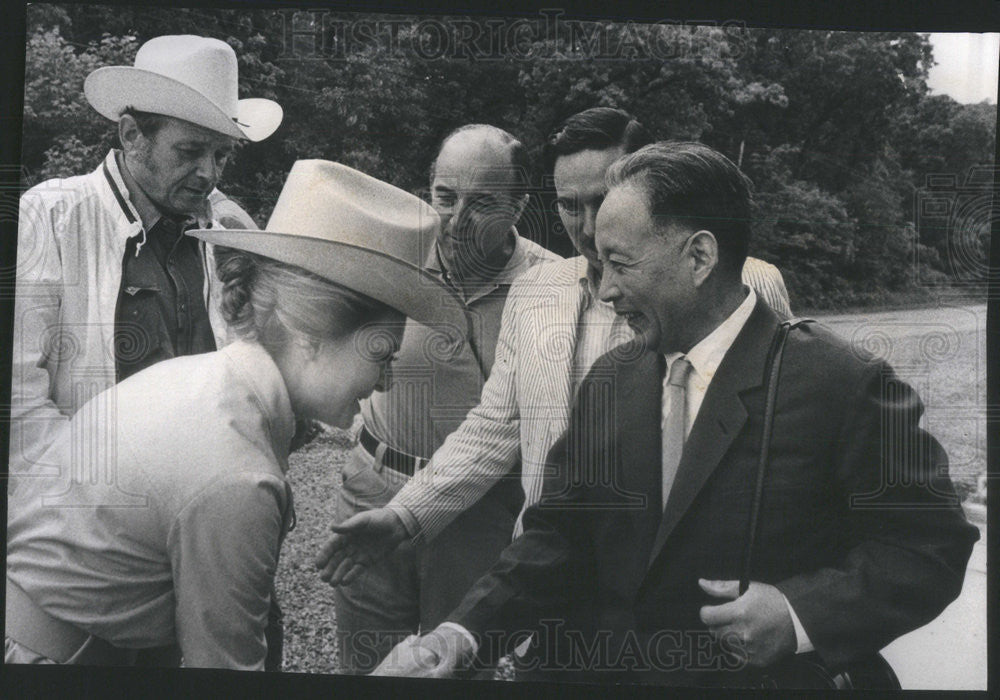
394	282
113	88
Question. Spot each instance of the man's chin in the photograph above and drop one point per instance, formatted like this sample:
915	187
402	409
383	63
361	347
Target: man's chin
188	203
346	418
646	334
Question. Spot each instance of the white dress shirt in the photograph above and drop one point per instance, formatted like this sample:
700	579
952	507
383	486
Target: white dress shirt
705	358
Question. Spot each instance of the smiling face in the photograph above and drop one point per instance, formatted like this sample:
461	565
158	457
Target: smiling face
326	382
178	165
649	273
580	190
473	191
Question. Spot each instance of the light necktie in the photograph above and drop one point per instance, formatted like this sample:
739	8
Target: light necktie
674	423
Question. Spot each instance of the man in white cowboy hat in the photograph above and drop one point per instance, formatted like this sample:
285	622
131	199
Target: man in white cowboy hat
106	284
479	189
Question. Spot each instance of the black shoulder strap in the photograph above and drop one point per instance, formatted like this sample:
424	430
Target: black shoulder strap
772	371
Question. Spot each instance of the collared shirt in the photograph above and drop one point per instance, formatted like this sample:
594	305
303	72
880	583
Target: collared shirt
71	240
705	358
437	376
169	530
599	330
160	311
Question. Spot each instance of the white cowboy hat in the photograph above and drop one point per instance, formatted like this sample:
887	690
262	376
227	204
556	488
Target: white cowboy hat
362	233
193	78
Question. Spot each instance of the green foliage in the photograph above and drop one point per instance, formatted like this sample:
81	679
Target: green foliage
837	129
63	135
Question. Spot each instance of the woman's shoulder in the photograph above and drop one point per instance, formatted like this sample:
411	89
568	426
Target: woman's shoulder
195	419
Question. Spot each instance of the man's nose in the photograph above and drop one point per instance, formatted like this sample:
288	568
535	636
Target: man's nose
589	221
608	290
208	168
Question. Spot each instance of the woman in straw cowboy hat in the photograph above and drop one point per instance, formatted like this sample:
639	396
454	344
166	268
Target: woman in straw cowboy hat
157	515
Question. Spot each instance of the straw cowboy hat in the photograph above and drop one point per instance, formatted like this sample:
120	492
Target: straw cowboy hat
362	233
192	78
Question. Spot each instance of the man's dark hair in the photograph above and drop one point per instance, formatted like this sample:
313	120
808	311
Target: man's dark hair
148	122
519	160
595	129
695	185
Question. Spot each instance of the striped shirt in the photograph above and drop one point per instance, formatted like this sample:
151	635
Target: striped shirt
525	403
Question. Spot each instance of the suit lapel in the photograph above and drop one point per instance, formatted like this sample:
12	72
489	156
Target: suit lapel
720	418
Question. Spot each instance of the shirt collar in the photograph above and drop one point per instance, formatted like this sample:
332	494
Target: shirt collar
149	214
706	356
520	260
113	177
264	379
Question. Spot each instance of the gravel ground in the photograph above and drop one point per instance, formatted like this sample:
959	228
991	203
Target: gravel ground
307	602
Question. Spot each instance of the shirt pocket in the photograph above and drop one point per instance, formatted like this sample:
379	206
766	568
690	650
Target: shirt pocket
141	334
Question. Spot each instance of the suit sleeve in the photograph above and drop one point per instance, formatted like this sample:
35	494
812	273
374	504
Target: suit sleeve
224	553
481	451
39	341
909	540
546	569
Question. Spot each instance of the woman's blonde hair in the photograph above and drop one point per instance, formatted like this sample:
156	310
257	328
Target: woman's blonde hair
270	301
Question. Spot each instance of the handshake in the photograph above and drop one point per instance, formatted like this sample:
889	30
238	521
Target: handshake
437	654
356	544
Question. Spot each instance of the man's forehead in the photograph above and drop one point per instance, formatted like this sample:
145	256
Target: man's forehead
181	130
587	164
624	211
476	160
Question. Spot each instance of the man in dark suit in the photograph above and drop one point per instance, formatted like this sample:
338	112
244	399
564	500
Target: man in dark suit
861	536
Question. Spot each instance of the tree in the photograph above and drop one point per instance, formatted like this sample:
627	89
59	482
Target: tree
836	129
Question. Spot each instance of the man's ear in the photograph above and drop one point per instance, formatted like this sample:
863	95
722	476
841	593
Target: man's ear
128	133
704	252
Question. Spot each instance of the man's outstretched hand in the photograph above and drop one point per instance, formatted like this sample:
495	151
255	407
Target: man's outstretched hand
357	543
438	654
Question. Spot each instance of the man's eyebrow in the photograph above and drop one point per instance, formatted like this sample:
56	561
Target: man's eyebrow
610	249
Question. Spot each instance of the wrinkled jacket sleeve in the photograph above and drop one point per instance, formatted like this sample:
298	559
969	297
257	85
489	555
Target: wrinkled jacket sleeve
548	568
911	542
224	553
483	449
38	342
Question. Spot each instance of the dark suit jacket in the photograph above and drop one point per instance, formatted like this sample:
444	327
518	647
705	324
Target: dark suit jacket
860	526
